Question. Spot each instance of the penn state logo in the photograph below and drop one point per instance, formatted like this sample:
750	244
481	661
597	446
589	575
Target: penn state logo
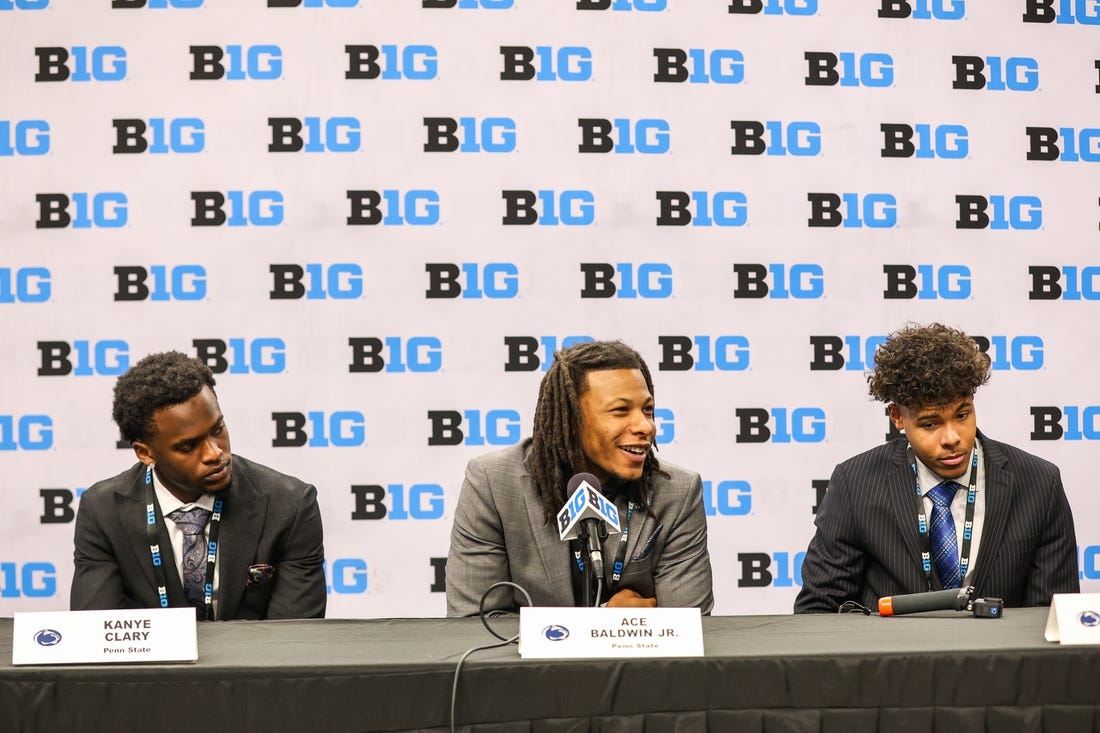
553	632
1088	618
47	637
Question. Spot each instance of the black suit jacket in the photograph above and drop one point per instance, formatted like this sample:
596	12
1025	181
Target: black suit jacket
268	517
866	545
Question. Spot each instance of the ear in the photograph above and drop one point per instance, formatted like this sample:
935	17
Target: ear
895	416
143	453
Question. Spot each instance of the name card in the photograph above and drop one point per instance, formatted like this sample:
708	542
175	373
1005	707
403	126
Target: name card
1074	618
587	633
96	637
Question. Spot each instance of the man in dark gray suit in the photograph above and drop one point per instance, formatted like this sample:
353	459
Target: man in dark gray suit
594	415
191	523
1000	523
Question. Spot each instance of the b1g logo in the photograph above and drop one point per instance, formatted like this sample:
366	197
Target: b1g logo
472	280
623	136
348	576
853	210
803	281
312	3
799	138
390	61
28	580
80	63
923	9
24	285
757	569
24	137
1018	353
468	4
1063	12
702	208
998	212
699	66
773	7
418	501
703	353
853	353
649	6
468	135
236	62
237	208
1081	423
180	136
946	142
996	74
529	353
780	425
1080	282
493	427
727	498
105	210
242	356
926	282
340	429
635	280
315	281
314	135
157	4
1064	143
418	354
80	358
1088	559
24	4
545	63
418	207
26	432
572	207
872	70
160	283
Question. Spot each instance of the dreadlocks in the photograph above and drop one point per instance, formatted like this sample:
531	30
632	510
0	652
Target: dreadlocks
556	452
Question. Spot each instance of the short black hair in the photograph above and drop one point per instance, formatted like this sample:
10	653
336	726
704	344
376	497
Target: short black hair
921	366
158	381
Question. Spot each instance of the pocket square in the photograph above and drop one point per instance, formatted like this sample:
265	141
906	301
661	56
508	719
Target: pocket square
259	574
647	547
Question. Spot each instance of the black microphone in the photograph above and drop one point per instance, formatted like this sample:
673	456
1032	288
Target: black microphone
952	599
585	512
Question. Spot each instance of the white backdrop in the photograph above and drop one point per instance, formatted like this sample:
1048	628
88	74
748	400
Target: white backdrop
768	132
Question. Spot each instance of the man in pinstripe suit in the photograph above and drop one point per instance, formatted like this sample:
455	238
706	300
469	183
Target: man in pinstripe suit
872	537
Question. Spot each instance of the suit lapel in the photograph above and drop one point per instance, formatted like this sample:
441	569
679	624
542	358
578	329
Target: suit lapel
1000	491
553	553
244	511
901	486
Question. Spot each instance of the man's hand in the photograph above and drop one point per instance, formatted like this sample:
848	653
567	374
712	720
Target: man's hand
627	598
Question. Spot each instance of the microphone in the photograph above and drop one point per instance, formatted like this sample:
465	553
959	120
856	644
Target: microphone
952	599
585	511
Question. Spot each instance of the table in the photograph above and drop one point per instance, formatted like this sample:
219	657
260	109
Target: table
927	672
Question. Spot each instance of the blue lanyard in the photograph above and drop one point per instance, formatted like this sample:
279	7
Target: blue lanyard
968	522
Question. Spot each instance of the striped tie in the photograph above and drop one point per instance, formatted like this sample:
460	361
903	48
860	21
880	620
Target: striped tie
941	534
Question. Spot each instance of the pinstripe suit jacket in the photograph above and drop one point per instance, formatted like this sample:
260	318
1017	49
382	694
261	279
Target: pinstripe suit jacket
499	534
866	545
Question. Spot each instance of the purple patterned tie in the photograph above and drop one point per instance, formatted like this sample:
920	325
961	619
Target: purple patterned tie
193	523
941	534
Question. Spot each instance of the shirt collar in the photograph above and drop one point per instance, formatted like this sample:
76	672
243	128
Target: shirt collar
169	503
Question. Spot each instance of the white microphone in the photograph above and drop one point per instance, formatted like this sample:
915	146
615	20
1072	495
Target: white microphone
952	599
583	514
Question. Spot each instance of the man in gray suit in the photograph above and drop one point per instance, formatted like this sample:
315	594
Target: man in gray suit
594	414
944	506
191	523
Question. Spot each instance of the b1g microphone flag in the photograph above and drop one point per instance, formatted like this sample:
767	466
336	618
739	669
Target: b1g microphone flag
586	503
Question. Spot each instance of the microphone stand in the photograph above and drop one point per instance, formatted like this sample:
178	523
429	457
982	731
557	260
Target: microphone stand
586	556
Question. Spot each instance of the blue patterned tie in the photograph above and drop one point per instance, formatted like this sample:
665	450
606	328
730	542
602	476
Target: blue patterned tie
193	523
941	534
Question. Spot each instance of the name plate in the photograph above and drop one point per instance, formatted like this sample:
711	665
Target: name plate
96	637
587	633
1074	618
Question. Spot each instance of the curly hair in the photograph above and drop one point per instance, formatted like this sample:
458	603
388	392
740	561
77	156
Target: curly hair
159	380
556	450
920	366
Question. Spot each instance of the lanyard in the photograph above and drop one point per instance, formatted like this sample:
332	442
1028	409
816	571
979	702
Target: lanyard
620	552
154	548
968	523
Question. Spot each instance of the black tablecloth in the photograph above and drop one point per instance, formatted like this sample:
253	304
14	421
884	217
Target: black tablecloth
765	674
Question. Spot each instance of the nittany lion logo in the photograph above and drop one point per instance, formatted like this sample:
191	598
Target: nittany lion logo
556	633
47	637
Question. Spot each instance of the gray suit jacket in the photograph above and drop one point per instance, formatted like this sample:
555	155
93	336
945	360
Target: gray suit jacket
867	546
499	534
268	517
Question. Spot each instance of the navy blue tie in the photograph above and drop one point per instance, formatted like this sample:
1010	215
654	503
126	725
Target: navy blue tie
941	534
